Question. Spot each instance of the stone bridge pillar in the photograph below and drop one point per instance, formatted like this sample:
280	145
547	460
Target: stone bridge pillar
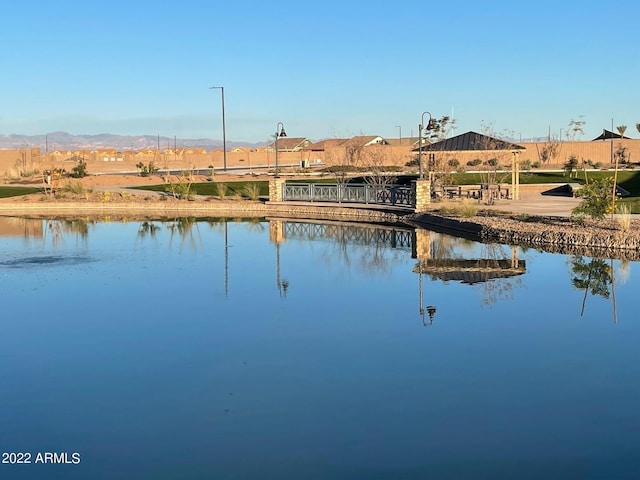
423	195
276	185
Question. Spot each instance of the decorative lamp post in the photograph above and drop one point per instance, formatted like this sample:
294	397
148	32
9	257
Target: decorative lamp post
279	133
224	133
421	126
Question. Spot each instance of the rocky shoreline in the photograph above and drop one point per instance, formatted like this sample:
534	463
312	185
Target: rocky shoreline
596	238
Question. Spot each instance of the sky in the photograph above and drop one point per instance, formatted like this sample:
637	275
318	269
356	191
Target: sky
324	69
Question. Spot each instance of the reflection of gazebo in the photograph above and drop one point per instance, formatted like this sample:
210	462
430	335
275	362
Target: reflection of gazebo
471	271
472	141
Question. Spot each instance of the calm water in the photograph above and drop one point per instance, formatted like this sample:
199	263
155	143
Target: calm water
251	350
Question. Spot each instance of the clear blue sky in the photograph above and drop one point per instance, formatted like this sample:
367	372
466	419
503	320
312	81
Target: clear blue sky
324	69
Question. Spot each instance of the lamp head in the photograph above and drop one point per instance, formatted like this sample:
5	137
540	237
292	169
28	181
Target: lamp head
282	133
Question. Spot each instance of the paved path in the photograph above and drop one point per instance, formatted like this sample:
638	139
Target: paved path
537	204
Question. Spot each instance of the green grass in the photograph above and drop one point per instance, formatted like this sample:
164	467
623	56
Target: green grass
629	180
209	188
6	192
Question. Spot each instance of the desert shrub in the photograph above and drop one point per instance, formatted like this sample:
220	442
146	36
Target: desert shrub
146	170
475	162
468	209
222	189
454	162
80	170
75	188
624	217
252	191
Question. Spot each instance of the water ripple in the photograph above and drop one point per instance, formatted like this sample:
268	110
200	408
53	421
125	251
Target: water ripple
46	260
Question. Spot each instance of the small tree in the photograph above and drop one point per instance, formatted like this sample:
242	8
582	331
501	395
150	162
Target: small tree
596	201
146	170
441	128
570	165
80	170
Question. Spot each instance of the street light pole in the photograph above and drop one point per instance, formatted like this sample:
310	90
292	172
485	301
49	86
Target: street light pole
224	133
279	133
399	133
420	127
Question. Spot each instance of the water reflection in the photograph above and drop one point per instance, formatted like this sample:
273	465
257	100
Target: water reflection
245	349
598	277
495	270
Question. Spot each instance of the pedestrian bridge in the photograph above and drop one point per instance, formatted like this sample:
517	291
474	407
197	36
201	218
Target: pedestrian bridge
391	195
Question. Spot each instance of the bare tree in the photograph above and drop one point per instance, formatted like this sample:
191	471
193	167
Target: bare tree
549	151
377	161
493	158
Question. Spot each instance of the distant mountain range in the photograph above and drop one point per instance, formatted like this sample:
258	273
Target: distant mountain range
62	140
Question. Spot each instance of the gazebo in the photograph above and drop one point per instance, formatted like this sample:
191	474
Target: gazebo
473	141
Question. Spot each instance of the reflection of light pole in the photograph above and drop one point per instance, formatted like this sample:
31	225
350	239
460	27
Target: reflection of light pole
226	261
431	310
399	133
282	133
283	284
429	126
224	133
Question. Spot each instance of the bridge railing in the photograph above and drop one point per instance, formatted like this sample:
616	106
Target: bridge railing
394	195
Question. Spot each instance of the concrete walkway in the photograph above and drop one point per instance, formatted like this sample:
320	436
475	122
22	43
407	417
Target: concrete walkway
537	204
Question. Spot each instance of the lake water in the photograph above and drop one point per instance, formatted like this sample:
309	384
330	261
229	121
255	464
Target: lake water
299	350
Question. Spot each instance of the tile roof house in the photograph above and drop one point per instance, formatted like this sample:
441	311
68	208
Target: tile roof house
404	141
290	144
324	144
364	141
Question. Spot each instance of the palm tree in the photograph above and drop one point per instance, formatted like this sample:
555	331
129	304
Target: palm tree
621	129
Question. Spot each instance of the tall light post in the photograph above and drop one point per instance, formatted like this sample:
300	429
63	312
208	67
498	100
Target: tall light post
279	133
224	133
399	133
420	127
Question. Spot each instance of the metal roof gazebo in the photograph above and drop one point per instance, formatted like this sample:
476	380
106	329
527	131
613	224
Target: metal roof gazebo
472	141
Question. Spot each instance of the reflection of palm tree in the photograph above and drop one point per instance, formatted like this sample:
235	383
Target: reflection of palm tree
184	226
148	228
58	229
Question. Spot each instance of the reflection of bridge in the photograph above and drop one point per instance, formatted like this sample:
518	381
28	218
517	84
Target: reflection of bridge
370	235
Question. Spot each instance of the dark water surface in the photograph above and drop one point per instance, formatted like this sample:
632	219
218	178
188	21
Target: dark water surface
251	350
